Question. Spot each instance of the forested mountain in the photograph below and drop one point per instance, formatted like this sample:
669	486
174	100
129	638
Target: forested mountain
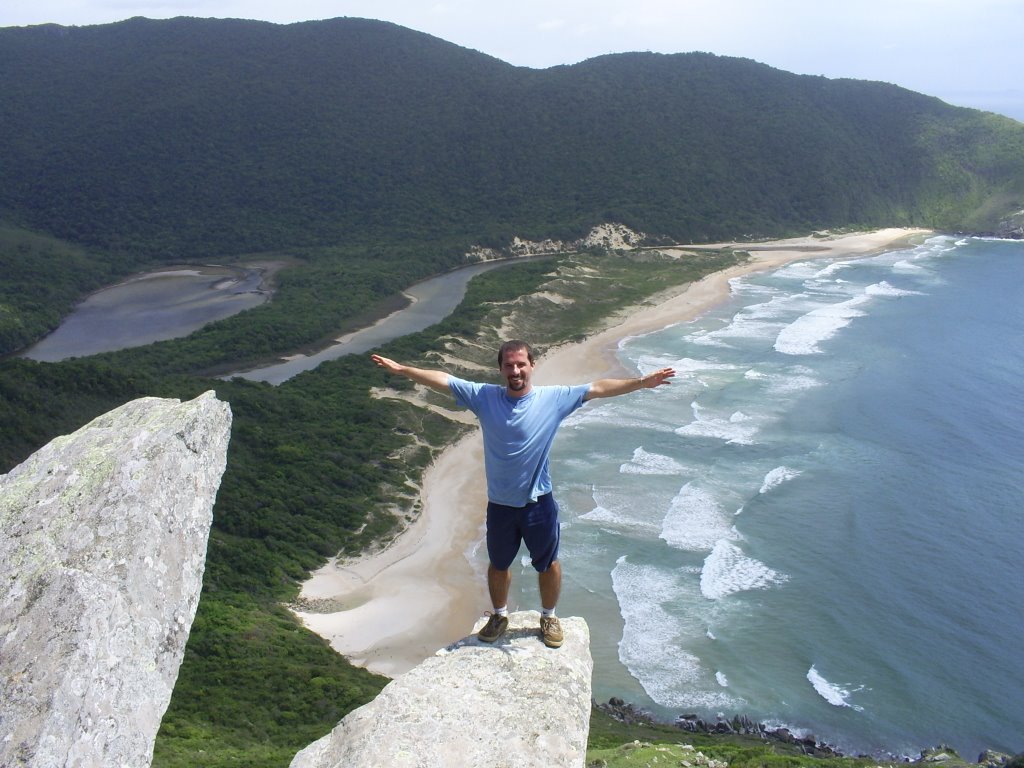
192	137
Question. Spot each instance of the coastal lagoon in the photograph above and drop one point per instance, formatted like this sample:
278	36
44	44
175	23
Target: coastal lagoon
155	306
819	524
432	300
174	302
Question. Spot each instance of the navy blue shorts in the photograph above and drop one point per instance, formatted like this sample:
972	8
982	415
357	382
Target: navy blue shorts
536	524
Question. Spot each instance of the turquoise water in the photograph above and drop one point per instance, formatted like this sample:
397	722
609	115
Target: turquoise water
820	523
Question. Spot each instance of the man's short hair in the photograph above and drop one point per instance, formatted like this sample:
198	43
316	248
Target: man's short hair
514	345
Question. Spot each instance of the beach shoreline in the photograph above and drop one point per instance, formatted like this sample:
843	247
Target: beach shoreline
388	611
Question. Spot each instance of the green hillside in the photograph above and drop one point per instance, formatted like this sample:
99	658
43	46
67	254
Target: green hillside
192	137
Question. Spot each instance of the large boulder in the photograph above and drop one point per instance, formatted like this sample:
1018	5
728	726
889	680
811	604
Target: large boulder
103	539
513	704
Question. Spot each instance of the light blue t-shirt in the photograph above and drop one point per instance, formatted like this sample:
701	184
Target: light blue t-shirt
518	433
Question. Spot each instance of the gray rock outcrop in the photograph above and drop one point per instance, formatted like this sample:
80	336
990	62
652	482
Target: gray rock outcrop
103	538
513	704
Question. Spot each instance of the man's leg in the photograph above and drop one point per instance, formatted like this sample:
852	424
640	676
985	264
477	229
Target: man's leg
502	546
498	584
550	583
542	535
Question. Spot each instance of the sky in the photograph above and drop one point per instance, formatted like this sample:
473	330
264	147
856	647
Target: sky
966	52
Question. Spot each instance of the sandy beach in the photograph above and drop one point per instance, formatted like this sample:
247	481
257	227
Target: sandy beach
391	610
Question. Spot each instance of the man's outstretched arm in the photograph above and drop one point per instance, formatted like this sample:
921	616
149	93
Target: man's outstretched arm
615	387
434	379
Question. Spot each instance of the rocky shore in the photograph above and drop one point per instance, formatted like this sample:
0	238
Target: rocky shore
741	725
1010	228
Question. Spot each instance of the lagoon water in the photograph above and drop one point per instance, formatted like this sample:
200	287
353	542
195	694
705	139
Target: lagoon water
165	304
174	302
432	300
820	523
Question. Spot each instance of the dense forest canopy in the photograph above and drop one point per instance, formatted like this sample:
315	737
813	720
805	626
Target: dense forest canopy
368	157
193	137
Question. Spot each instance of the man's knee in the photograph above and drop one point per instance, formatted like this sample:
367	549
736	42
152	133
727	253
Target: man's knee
553	568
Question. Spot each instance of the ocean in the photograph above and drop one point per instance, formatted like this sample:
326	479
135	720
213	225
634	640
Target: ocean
819	524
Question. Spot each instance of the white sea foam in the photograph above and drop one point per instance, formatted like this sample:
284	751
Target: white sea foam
887	289
584	463
802	336
694	375
908	266
638	506
790	382
799	270
689	366
722	679
834	290
757	321
727	571
646	463
736	428
707	339
602	515
765	310
651	646
745	326
611	519
832	269
742	286
935	246
777	477
696	520
649	363
830	692
621	417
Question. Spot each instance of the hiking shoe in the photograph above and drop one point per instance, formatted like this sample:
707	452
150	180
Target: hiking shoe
493	629
551	631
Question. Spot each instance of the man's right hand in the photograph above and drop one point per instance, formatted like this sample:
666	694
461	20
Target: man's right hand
387	364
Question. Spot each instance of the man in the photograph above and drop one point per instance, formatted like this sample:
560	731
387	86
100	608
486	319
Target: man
519	422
